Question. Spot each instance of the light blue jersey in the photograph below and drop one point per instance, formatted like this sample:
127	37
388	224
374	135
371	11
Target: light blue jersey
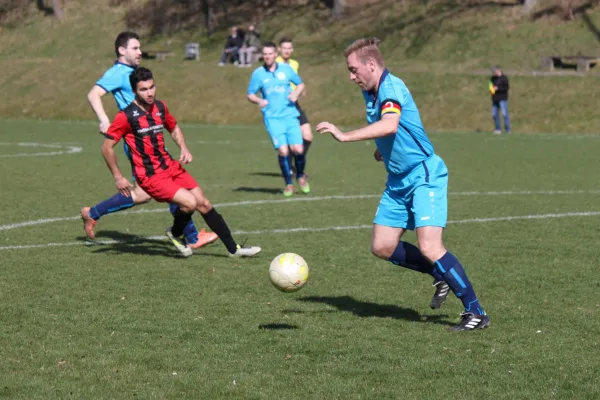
116	81
410	146
275	88
417	184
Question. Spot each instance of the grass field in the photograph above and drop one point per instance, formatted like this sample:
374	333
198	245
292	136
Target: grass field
128	318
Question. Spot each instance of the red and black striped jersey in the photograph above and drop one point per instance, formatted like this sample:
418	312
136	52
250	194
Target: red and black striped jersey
143	133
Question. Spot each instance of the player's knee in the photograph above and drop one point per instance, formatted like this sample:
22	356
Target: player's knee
307	133
140	197
432	250
383	249
188	205
283	151
203	205
298	149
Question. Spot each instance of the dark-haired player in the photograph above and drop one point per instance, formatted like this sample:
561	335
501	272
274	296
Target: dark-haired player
141	126
116	81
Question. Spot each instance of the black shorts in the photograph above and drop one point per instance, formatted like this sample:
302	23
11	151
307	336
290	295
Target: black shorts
302	117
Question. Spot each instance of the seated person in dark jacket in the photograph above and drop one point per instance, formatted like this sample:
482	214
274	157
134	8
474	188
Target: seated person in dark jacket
232	46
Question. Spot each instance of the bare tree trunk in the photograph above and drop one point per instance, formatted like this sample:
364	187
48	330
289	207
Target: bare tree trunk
338	9
568	7
57	9
528	7
208	9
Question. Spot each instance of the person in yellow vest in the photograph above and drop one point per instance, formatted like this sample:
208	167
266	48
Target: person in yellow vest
286	48
498	87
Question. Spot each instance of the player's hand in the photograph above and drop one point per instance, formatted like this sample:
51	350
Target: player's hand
123	186
326	127
377	155
293	97
104	124
262	103
185	157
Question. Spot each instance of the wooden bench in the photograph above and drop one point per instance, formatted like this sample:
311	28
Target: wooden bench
157	54
582	63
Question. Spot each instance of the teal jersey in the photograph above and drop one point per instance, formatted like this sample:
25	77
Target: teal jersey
410	146
116	81
275	88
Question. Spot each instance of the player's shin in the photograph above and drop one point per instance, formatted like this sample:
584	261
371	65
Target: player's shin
454	274
409	256
116	203
286	171
300	164
189	231
218	225
180	220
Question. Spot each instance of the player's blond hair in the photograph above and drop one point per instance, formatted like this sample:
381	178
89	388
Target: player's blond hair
366	48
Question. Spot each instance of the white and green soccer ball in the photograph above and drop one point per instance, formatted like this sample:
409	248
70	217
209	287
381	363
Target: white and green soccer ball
288	272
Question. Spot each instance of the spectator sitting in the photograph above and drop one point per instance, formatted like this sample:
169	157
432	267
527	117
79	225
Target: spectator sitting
232	47
250	46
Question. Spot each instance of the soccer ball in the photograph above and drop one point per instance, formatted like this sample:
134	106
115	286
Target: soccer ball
288	272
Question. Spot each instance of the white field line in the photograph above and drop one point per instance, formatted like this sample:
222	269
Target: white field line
319	198
307	229
61	149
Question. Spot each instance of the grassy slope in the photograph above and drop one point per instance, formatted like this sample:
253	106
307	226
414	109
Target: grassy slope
49	66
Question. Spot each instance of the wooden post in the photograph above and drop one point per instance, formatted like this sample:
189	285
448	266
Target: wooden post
583	65
547	63
57	9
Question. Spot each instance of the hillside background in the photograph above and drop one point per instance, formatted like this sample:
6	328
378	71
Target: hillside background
442	50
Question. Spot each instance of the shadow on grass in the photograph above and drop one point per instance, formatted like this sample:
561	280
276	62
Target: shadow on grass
367	309
257	190
269	174
277	327
125	243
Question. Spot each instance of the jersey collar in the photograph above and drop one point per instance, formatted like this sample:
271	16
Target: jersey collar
117	62
267	69
384	75
144	111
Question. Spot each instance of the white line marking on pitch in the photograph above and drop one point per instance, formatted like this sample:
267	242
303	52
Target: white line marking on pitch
65	149
307	229
320	198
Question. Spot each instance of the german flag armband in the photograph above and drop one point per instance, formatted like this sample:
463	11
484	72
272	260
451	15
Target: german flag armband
390	106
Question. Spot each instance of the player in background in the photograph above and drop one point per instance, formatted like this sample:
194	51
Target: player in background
116	81
141	126
286	49
415	197
280	115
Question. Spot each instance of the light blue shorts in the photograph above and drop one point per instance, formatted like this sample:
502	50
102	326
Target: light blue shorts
284	131
418	199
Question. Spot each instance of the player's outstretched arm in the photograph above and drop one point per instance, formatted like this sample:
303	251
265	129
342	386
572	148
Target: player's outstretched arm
108	152
185	157
95	99
388	125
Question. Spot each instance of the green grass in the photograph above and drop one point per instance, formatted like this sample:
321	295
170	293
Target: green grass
50	66
130	318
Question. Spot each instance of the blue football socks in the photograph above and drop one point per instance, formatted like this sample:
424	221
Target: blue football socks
286	171
409	256
454	274
116	203
300	164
